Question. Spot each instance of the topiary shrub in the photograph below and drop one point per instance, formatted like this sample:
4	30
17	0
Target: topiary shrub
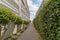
47	22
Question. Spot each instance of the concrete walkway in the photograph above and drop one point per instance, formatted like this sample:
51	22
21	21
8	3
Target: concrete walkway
29	34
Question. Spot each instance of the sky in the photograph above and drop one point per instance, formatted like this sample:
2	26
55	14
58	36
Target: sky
33	7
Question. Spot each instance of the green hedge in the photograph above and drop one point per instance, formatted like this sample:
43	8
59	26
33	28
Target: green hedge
26	21
18	20
47	22
7	16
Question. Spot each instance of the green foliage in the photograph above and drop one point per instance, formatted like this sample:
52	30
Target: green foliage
6	16
18	20
26	21
3	16
8	13
47	22
4	19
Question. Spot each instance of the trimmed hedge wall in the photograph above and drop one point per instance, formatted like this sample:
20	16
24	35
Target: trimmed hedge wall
7	16
47	22
18	20
26	21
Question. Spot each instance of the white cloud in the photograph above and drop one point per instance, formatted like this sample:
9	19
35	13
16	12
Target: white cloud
33	8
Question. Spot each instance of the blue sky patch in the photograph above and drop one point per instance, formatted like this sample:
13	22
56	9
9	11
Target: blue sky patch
33	7
35	1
